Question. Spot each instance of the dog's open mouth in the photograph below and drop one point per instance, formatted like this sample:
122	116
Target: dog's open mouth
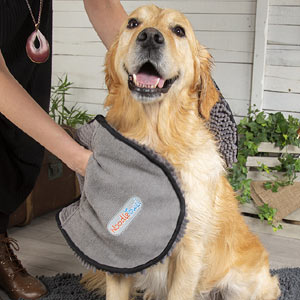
148	82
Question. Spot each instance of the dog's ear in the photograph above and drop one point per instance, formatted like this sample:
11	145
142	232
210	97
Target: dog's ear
204	85
111	78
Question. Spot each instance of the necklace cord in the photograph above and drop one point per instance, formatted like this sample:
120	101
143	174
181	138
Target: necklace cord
36	24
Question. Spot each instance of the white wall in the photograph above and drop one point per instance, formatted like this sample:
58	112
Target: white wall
282	70
225	27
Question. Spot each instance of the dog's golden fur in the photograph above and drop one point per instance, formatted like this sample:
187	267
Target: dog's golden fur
218	256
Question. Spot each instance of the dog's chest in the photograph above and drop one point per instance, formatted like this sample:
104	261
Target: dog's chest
198	171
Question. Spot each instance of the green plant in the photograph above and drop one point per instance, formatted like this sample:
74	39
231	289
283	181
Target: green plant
268	213
289	166
259	127
59	112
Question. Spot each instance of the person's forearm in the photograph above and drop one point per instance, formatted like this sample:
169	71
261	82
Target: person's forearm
17	106
107	17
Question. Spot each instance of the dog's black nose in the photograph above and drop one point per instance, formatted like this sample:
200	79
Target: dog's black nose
150	37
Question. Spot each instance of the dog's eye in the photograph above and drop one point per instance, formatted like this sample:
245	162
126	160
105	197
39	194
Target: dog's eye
132	23
179	31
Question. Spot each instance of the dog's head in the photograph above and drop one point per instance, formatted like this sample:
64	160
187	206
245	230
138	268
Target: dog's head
157	57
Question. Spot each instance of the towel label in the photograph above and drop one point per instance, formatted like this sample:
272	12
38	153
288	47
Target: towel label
125	216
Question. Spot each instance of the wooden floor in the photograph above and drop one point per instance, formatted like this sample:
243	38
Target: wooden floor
43	251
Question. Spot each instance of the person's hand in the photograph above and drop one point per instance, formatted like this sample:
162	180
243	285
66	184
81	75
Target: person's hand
80	161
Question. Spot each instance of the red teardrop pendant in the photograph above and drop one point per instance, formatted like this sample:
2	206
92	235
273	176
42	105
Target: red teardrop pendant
41	54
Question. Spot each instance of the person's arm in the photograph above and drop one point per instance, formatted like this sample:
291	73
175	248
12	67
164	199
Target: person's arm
107	17
17	106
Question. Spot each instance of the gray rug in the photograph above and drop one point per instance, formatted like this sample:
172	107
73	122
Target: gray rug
289	279
67	286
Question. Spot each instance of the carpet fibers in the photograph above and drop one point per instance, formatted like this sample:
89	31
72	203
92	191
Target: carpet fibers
67	286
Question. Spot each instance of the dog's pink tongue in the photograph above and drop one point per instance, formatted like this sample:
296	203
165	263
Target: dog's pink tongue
146	79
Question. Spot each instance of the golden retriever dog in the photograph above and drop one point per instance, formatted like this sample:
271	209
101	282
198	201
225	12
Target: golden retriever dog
160	94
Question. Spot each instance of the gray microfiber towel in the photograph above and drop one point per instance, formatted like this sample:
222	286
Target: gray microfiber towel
223	126
131	211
